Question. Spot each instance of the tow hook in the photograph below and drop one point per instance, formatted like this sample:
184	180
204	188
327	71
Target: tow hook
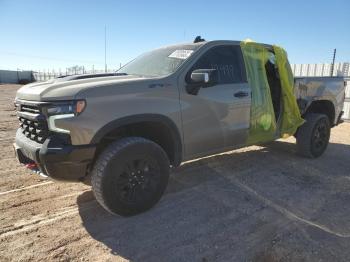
35	169
32	166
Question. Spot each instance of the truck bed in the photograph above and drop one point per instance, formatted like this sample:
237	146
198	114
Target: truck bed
310	89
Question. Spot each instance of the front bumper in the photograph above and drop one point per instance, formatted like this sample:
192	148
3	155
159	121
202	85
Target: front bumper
54	158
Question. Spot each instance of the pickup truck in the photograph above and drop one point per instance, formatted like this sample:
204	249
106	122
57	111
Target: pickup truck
123	132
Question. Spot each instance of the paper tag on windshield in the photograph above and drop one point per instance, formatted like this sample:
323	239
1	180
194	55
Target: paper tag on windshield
181	54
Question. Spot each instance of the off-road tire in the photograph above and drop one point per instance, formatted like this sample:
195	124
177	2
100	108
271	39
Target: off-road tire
113	169
313	136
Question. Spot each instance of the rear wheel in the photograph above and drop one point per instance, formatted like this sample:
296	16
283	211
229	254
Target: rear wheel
313	135
130	176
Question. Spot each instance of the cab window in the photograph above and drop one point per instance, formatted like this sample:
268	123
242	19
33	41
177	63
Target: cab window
227	60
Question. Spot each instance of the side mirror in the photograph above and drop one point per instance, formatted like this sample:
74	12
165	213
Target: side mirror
204	77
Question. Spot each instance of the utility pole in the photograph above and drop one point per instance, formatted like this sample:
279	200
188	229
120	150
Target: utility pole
105	49
332	65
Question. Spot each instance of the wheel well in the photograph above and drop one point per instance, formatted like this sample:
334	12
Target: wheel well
155	131
322	107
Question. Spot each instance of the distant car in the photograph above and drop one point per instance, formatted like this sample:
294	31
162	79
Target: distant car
126	130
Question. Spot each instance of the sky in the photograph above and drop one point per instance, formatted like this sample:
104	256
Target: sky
55	34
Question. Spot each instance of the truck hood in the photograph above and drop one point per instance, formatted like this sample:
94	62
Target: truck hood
68	87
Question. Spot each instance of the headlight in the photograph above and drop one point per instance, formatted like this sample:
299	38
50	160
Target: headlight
62	110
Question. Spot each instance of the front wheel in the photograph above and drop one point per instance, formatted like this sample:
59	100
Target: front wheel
130	176
313	136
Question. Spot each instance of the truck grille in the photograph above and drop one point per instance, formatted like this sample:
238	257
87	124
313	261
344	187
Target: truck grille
30	109
32	123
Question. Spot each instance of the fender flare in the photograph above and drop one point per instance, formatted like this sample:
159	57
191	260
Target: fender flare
134	119
311	101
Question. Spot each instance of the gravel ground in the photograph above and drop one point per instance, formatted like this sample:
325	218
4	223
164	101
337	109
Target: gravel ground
261	203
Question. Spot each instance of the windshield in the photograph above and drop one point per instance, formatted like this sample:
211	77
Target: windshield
159	62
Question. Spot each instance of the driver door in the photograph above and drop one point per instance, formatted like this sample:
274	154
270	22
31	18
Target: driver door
216	118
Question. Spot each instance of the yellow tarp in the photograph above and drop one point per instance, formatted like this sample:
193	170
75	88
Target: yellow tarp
262	116
291	118
263	125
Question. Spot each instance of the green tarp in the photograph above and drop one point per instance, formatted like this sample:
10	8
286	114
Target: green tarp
262	116
291	118
263	125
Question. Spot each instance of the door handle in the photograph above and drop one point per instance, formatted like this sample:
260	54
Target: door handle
241	94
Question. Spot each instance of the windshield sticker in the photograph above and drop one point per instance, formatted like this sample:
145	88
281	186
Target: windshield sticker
181	54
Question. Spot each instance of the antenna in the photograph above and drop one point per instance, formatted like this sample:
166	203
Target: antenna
105	49
332	65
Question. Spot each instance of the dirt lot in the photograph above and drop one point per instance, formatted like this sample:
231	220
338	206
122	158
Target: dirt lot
254	204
